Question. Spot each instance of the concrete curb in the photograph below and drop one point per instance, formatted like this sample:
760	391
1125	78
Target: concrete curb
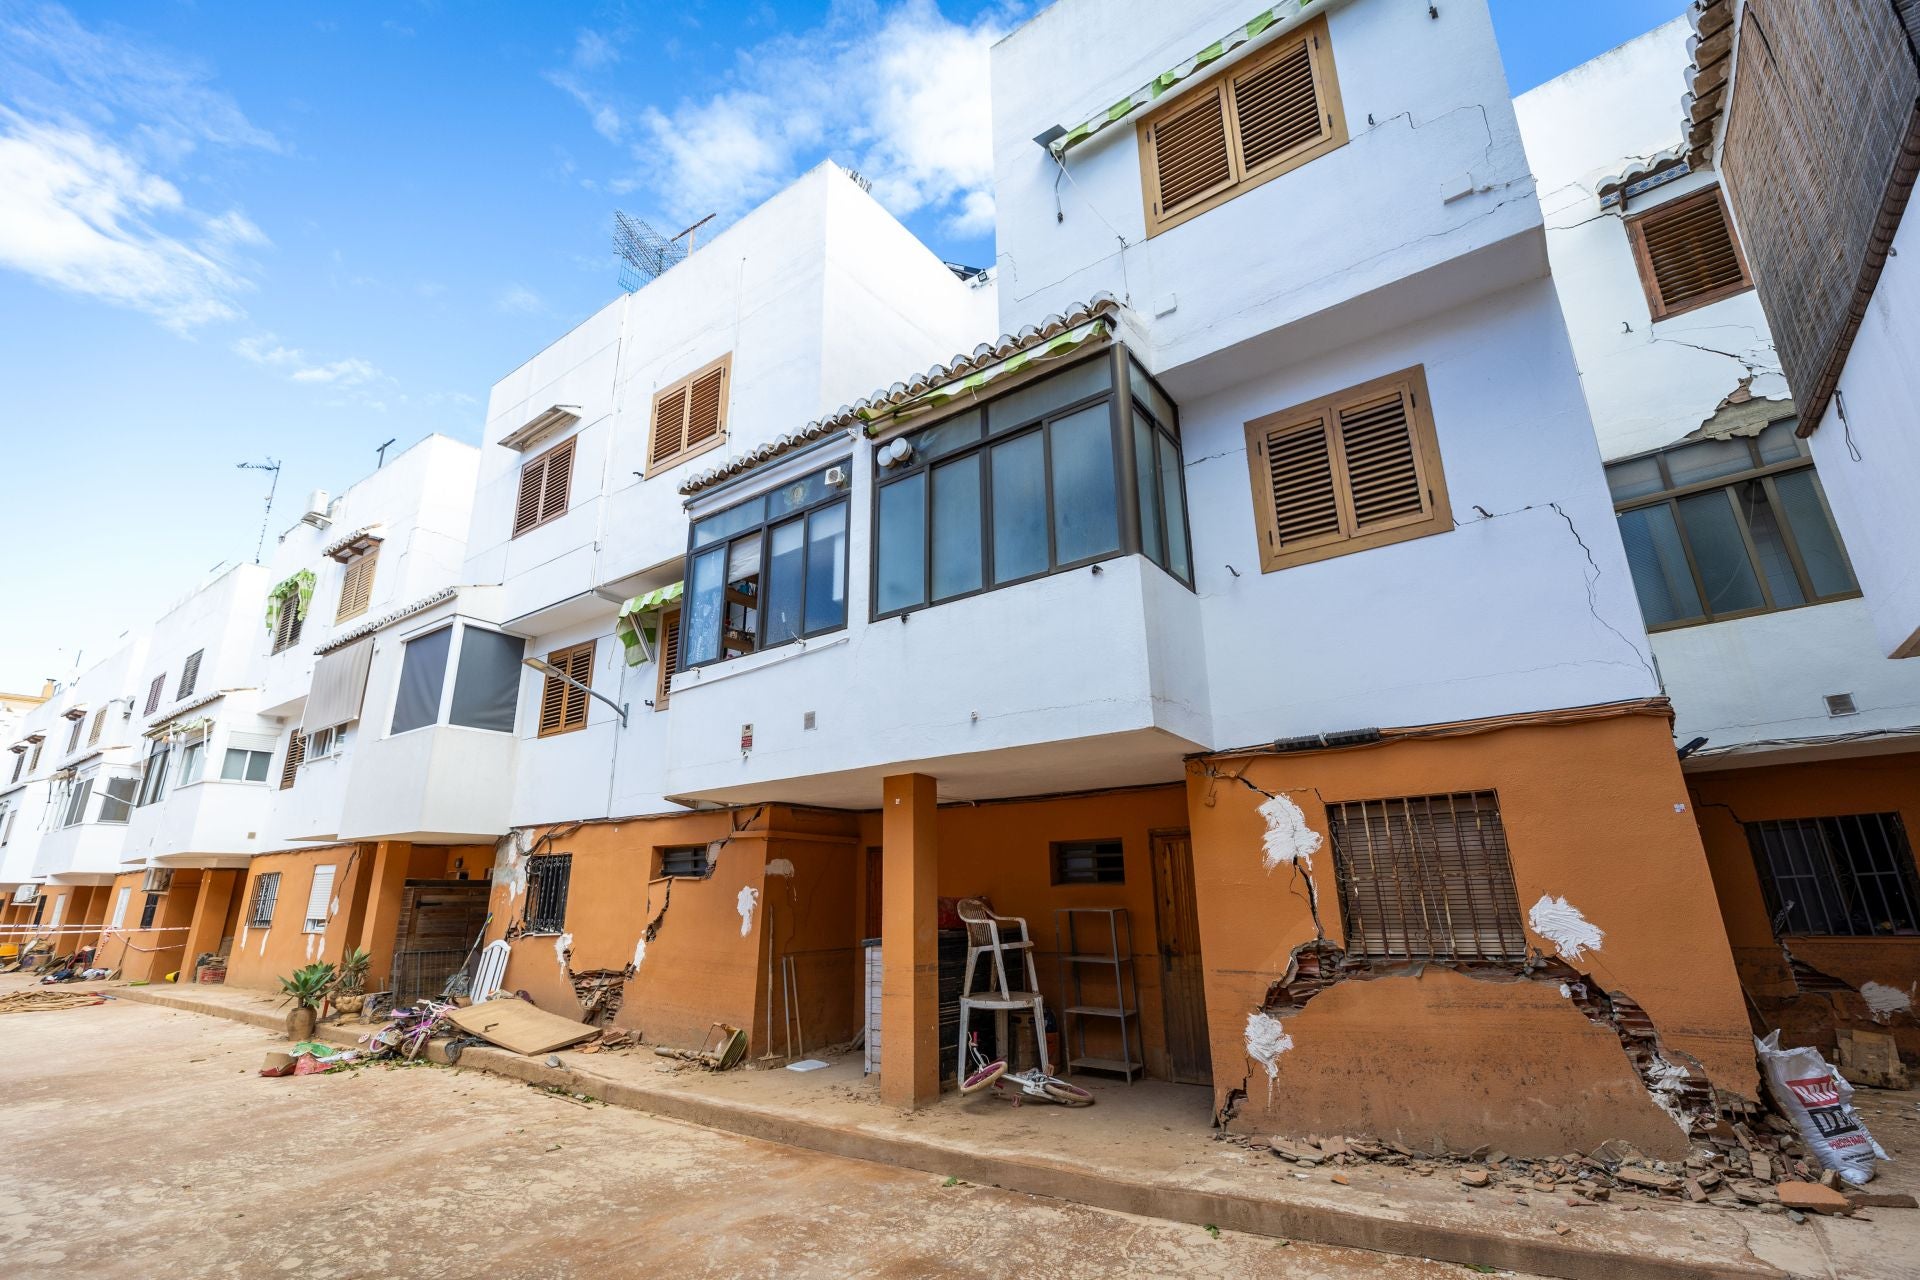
1318	1224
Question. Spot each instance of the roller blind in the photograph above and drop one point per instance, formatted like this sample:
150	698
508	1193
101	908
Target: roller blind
319	896
339	686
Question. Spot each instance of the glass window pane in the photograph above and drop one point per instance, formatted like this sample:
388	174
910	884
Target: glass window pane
234	767
1778	443
1720	553
117	804
1634	479
1819	542
801	493
423	673
1693	463
1175	501
827	568
731	521
741	631
257	763
1037	399
786	591
1782	584
1148	394
706	583
903	544
1019	508
486	685
954	433
1147	489
1659	566
1085	522
957	564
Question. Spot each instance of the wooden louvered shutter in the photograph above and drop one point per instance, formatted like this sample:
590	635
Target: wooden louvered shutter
526	511
668	657
190	674
296	752
154	693
669	426
705	402
1190	155
356	589
99	723
1359	469
1380	464
558	483
1276	109
563	708
580	667
1687	254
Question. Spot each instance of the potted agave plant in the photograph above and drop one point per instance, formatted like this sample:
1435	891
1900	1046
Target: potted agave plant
349	991
307	987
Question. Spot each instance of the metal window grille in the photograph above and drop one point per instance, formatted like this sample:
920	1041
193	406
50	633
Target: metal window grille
684	860
266	891
147	911
1427	878
1846	876
547	877
1089	862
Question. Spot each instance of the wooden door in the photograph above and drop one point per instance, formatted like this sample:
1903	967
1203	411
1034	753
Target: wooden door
1182	984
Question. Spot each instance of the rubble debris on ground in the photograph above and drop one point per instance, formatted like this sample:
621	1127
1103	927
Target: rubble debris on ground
723	1049
1770	1172
31	1001
612	1040
308	1058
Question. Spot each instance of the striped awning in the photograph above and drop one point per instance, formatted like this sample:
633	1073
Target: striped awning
639	623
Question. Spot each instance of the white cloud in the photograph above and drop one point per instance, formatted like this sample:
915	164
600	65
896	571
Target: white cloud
519	300
266	350
899	93
92	126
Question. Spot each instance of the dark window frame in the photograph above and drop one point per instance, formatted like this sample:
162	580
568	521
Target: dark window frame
1120	402
1823	845
549	879
1766	475
1105	855
674	860
266	896
149	909
764	529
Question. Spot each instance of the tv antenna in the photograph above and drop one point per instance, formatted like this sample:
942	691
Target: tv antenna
382	452
272	466
645	254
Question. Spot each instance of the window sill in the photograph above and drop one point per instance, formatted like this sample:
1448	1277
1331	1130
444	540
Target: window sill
731	667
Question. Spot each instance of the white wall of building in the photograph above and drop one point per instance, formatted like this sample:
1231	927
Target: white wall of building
1873	493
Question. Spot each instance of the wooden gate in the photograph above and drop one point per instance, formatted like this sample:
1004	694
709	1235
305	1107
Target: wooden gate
440	922
1182	983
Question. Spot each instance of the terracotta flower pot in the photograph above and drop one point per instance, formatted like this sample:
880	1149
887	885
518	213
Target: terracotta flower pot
300	1022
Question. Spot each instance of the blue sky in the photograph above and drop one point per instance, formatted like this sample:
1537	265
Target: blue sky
231	232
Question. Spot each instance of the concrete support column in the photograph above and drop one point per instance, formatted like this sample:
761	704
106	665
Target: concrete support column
909	954
217	888
381	920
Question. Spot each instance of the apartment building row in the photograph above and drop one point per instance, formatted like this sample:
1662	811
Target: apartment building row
1351	499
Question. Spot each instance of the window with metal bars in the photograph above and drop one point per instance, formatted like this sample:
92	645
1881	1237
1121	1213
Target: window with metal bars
1356	470
547	877
684	860
1089	862
1426	878
1271	112
690	416
266	892
1850	876
1687	254
1718	529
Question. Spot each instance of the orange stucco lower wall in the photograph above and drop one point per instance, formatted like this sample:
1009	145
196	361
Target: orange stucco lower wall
150	954
262	956
1869	784
1594	811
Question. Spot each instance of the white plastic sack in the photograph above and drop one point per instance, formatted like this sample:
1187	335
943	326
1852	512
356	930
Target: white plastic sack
1820	1103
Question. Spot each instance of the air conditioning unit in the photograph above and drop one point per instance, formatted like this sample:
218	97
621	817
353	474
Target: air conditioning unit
159	880
26	892
838	478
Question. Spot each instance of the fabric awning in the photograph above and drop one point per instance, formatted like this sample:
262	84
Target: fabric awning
339	686
638	625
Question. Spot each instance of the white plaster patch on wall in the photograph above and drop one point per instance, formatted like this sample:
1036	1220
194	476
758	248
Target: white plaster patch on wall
744	904
263	941
1288	837
334	910
639	952
1561	923
1884	1001
245	933
311	939
780	867
1266	1041
562	945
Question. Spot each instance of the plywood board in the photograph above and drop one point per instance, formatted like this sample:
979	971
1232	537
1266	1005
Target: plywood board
519	1026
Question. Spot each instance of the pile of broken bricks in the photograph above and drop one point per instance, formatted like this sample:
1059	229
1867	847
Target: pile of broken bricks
1772	1180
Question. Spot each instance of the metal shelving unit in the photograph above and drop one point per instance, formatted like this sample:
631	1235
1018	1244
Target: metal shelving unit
1076	941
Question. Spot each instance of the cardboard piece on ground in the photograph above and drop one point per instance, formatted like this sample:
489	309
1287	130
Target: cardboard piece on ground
1871	1058
519	1026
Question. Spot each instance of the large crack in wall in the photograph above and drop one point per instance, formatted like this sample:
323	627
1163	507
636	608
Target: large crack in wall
1676	1082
